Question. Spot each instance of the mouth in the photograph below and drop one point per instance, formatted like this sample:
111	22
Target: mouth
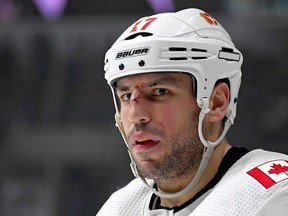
145	143
142	141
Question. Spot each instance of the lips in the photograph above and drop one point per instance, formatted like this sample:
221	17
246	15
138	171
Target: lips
143	143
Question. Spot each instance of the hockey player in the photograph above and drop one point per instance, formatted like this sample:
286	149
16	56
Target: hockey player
175	79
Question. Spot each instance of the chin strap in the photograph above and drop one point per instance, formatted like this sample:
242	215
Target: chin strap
208	150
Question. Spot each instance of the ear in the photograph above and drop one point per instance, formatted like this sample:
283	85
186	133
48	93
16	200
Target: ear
219	101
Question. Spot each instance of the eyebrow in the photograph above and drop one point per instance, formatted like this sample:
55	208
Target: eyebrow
170	81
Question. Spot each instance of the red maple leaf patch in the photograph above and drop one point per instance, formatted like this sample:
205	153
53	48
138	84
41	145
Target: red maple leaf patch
270	173
277	169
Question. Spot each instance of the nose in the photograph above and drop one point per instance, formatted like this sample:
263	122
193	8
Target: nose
139	112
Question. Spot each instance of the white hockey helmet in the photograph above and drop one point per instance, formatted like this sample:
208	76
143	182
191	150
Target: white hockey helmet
189	41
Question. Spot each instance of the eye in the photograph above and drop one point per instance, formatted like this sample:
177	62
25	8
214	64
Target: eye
161	91
125	97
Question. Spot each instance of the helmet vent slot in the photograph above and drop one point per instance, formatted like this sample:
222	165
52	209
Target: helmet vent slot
178	58
180	53
143	34
199	58
177	49
198	50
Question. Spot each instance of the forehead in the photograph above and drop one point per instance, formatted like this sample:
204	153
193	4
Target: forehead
152	79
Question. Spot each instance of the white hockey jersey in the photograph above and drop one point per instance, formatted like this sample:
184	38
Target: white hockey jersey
256	185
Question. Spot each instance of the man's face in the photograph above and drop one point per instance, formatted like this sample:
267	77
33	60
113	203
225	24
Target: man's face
160	119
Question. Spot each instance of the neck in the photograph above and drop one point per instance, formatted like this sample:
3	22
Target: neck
173	186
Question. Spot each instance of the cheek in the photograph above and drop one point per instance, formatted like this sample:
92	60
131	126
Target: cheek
124	119
174	117
170	117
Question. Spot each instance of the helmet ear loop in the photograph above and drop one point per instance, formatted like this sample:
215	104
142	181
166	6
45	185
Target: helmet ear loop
119	125
118	122
117	117
204	104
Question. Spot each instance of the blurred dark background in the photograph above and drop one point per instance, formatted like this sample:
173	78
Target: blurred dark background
60	153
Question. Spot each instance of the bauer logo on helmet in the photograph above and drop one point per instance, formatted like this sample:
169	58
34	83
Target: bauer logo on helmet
132	52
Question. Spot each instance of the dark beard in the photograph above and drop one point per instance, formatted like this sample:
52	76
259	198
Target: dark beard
184	157
180	163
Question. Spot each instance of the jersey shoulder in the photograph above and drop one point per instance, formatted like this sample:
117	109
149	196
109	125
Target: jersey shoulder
249	185
128	200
